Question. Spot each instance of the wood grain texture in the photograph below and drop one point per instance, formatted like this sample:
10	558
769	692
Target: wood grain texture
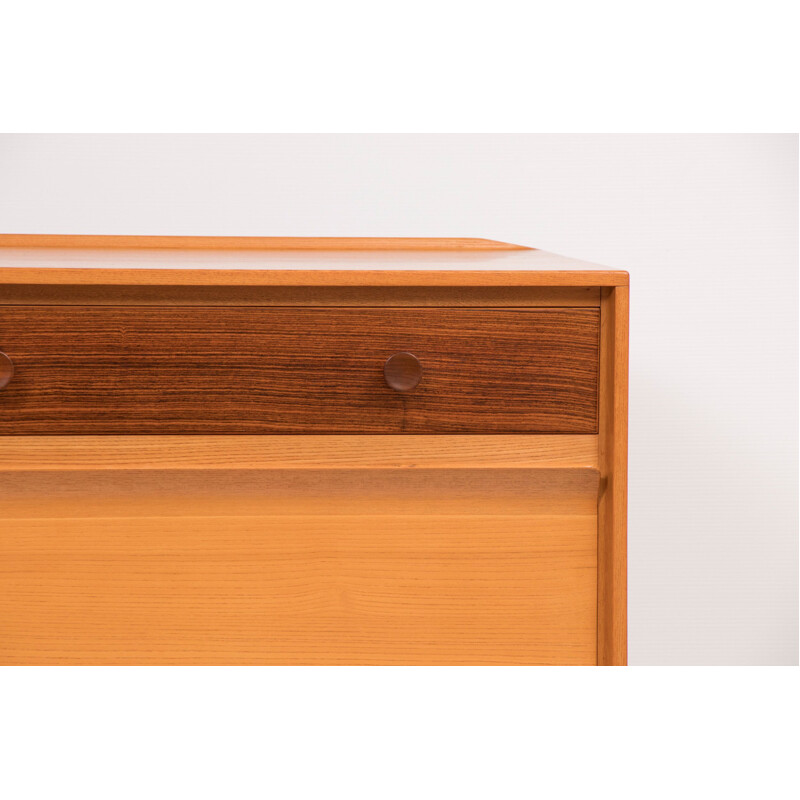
299	590
248	261
221	492
250	242
385	566
247	555
200	370
323	272
375	296
66	453
613	504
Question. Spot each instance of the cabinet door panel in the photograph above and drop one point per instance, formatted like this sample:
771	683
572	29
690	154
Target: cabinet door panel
313	564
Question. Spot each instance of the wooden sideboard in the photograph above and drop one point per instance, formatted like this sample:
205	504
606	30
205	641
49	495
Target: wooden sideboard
310	451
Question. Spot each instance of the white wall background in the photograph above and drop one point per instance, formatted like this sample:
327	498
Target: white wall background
707	226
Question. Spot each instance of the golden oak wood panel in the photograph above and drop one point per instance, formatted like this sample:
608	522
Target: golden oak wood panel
256	492
322	272
299	590
613	503
67	453
254	261
199	370
286	550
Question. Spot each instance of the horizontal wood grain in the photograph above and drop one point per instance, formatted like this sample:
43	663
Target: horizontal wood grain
321	272
297	553
284	492
210	370
270	261
376	296
299	590
67	453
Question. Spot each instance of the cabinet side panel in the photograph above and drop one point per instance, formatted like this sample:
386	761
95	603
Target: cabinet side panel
612	555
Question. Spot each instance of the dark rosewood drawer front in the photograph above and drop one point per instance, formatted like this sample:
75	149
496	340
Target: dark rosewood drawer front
248	370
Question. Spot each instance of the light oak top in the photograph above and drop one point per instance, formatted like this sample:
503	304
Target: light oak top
208	261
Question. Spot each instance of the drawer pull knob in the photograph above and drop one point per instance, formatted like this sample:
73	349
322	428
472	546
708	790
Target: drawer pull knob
402	371
6	370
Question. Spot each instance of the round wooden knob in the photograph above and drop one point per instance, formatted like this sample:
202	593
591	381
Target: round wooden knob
402	371
6	370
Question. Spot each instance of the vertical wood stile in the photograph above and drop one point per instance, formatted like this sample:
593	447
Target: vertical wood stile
612	633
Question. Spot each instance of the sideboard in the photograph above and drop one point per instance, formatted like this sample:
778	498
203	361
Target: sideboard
310	451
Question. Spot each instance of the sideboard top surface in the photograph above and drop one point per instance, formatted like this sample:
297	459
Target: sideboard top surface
273	261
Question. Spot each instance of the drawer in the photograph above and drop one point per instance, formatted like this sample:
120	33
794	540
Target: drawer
257	370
